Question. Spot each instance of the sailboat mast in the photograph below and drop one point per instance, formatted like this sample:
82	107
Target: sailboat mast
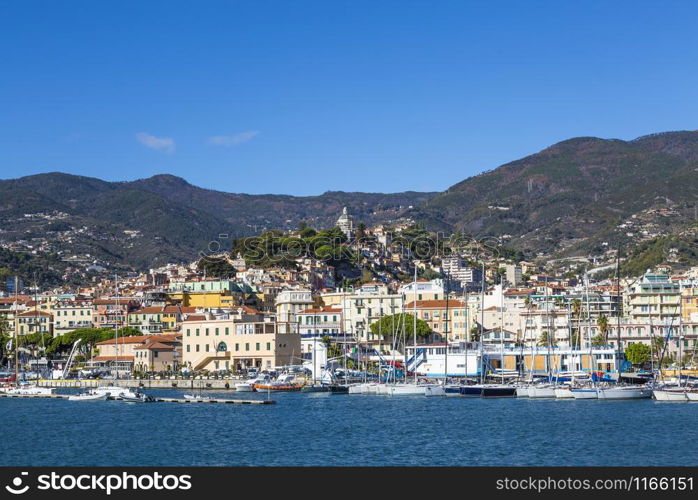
501	326
482	323
447	320
618	311
414	323
116	327
16	331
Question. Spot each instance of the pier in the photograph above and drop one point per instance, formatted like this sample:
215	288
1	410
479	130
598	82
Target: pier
156	400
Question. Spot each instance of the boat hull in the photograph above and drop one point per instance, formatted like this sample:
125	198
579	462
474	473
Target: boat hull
88	397
435	391
584	393
624	393
541	392
471	391
563	393
499	392
669	395
522	392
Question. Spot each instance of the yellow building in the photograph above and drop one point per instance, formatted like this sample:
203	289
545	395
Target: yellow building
228	344
689	305
196	299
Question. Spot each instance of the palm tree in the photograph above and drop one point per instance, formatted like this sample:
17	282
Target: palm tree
602	323
545	339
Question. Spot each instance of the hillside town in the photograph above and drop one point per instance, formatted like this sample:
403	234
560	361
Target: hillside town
178	319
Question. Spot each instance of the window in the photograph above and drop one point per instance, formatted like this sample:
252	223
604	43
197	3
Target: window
206	347
188	332
256	346
207	332
197	347
237	347
268	346
216	331
227	331
247	346
222	347
197	332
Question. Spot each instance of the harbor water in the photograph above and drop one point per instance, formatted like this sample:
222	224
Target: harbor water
347	430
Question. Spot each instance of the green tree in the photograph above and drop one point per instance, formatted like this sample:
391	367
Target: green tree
598	340
546	339
602	323
396	323
638	354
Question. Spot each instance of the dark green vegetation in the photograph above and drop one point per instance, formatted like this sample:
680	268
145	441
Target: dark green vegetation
399	325
568	199
174	220
44	268
571	196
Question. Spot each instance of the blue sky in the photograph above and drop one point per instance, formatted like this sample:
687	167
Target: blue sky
308	96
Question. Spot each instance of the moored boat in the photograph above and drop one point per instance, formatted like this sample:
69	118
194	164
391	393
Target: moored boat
541	391
564	392
498	391
88	396
624	392
522	391
584	393
670	394
284	383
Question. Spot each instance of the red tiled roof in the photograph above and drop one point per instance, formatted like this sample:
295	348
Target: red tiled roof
196	317
156	346
35	313
141	339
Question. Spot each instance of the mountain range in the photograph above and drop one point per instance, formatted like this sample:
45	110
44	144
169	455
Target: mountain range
577	197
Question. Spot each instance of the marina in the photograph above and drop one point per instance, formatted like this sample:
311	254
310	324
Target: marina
316	429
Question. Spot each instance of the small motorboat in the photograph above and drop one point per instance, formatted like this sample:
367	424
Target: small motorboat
284	383
248	385
89	396
138	398
114	392
197	397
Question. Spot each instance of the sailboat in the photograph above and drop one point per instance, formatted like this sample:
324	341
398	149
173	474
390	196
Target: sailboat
23	388
622	392
114	391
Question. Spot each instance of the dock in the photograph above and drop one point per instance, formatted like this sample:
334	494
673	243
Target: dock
157	400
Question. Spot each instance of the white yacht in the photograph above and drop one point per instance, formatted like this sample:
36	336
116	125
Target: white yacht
29	390
114	392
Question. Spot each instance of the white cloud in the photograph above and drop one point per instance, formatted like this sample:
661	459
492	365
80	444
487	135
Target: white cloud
232	140
164	144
